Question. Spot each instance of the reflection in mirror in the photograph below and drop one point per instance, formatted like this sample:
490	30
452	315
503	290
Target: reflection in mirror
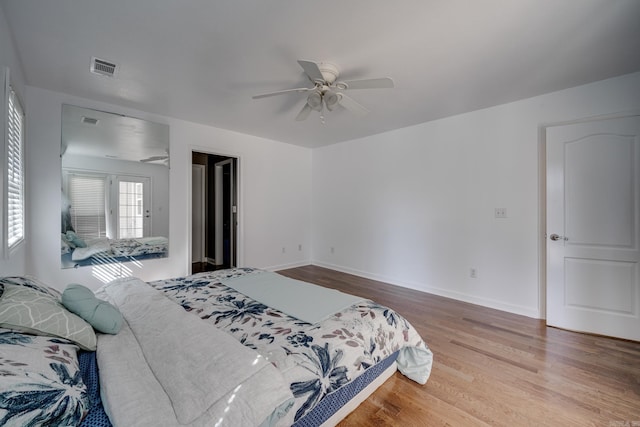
115	188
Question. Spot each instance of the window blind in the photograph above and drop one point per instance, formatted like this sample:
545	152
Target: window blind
87	194
15	170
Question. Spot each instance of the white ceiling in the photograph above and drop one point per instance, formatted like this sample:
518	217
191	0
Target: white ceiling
113	136
202	60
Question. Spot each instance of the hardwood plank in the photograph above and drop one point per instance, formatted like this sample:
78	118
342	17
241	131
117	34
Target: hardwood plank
493	368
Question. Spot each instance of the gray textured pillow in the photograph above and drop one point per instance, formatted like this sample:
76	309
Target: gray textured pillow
32	283
27	310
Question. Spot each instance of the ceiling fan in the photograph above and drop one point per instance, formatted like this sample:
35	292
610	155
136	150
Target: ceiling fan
154	159
164	159
327	91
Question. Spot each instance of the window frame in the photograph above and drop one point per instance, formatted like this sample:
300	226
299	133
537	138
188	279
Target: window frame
11	95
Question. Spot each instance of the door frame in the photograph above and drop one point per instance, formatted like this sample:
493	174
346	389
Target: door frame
203	210
239	202
542	196
220	207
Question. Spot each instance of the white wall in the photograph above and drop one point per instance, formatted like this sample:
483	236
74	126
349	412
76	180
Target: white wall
14	262
274	207
415	207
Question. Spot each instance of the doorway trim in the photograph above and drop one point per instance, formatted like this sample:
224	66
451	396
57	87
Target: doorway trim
542	196
239	189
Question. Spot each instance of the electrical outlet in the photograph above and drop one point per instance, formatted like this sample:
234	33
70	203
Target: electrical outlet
332	250
501	212
299	247
473	272
284	250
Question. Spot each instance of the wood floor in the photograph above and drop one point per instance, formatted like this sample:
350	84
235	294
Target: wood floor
493	368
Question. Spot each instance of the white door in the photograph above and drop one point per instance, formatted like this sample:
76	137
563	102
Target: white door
133	206
593	221
198	199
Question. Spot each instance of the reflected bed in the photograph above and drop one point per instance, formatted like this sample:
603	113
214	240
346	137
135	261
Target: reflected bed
103	250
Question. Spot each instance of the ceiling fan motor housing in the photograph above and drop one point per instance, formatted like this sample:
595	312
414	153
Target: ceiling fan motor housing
329	72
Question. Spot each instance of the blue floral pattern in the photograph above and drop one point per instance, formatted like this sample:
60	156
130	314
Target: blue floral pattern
40	381
315	359
133	247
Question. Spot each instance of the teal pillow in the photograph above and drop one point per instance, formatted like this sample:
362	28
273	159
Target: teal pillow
103	316
76	241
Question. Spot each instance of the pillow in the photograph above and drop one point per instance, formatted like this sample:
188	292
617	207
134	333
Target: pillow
64	246
40	382
103	316
32	283
26	310
74	240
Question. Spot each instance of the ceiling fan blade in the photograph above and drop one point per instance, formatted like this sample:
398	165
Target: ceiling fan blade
352	105
312	70
154	158
381	83
281	92
304	113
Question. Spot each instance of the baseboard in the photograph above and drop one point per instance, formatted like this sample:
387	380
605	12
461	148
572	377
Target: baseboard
472	299
286	266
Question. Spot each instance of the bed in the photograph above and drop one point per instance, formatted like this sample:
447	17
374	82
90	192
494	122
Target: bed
102	250
317	369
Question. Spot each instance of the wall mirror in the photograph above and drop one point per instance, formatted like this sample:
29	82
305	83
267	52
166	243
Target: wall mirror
115	188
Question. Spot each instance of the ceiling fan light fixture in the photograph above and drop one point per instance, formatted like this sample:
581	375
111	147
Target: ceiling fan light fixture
315	100
331	99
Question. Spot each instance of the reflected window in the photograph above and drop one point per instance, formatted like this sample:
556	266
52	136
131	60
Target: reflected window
87	197
130	210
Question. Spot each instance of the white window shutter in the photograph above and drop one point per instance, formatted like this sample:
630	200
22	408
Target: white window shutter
88	212
15	171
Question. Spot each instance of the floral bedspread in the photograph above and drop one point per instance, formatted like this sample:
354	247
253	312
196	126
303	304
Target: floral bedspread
133	247
315	359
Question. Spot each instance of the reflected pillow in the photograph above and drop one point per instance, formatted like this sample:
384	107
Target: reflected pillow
27	310
64	246
103	316
74	240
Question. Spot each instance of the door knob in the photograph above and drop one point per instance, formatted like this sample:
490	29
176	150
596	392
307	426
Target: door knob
555	237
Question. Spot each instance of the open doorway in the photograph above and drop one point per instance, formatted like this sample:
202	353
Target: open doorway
214	212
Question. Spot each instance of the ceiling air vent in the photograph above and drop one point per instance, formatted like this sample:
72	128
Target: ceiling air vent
89	120
102	67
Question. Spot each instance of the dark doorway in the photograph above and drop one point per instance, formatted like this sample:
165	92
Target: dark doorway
219	221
